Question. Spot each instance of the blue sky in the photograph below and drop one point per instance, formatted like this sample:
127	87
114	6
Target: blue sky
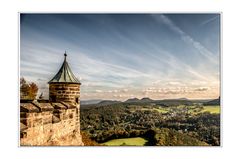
121	56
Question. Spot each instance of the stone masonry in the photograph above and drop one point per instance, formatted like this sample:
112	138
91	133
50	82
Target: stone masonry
43	123
67	92
64	92
55	121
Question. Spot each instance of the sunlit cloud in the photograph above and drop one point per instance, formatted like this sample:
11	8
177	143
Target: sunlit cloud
202	89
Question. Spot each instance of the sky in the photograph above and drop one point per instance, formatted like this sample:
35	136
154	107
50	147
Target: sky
122	56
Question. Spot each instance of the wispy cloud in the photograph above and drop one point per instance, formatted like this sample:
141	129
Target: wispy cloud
187	38
209	20
150	56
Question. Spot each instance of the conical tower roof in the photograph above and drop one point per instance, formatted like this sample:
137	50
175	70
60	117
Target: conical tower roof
65	74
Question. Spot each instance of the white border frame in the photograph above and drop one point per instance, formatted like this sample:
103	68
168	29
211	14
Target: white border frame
230	77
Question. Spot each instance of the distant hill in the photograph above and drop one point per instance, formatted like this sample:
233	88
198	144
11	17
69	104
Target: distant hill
176	99
108	102
132	100
182	99
164	102
136	100
200	100
213	102
173	102
146	100
89	102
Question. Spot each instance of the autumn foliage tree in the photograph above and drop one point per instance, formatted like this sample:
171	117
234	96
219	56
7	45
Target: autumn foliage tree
28	90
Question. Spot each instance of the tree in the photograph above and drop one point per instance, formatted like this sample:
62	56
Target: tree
33	89
28	91
24	88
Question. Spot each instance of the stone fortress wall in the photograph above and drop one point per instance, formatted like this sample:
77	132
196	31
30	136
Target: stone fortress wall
55	121
45	123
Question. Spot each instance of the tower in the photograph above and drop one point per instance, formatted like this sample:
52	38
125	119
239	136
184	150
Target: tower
64	86
56	122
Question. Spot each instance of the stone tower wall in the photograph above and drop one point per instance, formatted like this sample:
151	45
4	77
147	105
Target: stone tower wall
64	92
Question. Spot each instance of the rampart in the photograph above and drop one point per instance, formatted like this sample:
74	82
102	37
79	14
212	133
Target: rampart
44	124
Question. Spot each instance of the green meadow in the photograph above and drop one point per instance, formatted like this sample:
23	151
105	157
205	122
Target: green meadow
135	141
212	109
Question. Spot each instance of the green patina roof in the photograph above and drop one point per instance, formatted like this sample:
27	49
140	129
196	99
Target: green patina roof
65	74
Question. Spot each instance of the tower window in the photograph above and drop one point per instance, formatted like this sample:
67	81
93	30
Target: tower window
76	99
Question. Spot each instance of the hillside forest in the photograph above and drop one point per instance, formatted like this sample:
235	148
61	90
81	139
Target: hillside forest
152	123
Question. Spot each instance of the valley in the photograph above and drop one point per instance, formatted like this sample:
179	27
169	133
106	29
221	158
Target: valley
120	123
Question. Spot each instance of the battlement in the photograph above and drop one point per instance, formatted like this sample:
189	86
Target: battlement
45	123
55	121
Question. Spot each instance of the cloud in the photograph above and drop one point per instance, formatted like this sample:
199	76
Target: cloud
118	95
98	91
125	90
209	20
129	60
174	83
157	82
201	89
187	38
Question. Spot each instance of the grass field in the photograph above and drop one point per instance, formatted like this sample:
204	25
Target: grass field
211	109
161	110
193	110
136	141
